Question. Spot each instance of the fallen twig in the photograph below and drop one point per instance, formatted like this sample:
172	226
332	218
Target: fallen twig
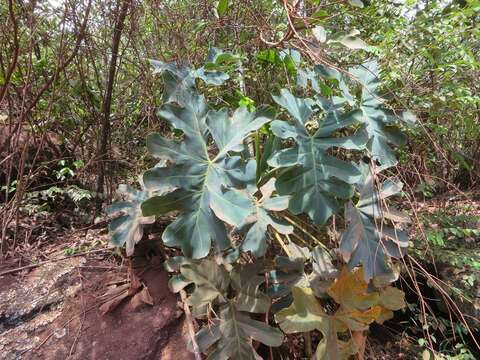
98	225
191	329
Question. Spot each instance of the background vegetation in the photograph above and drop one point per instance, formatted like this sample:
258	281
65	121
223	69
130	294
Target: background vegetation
79	95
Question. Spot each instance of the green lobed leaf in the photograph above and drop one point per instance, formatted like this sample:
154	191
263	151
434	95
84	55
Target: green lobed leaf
206	185
305	314
207	336
127	228
379	123
259	220
287	273
237	331
179	80
367	240
211	284
246	282
313	178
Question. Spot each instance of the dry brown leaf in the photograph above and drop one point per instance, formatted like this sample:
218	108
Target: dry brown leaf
135	283
142	297
111	304
113	291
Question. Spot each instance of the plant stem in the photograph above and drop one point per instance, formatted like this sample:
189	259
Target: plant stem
282	244
308	344
257	153
191	327
306	232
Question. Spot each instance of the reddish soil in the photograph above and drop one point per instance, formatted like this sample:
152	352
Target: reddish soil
144	332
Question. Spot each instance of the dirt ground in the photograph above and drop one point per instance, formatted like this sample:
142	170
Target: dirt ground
53	312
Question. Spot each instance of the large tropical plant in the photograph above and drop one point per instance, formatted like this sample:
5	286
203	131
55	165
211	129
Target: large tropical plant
320	154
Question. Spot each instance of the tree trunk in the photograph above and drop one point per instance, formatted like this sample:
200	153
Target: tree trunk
104	140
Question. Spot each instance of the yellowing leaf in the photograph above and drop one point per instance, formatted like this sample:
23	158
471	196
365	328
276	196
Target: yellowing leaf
350	291
335	350
345	350
386	314
392	298
358	307
304	314
426	355
356	320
